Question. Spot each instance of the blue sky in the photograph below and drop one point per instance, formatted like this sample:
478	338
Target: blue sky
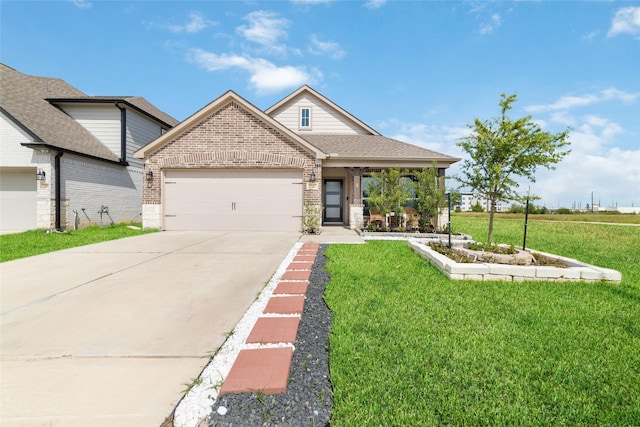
415	71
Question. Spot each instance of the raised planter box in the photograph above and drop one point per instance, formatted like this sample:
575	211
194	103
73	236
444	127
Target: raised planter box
576	271
407	235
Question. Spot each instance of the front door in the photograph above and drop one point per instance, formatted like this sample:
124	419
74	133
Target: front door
333	200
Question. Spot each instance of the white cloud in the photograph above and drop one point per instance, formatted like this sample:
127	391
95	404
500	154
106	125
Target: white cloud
494	23
214	62
442	139
608	128
197	22
265	28
613	176
563	117
332	49
82	4
625	21
590	36
375	4
265	76
613	93
570	101
594	164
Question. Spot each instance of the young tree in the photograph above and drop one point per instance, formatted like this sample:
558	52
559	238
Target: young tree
502	149
477	207
429	192
388	192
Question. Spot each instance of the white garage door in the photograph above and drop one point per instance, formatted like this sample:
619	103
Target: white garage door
17	200
233	200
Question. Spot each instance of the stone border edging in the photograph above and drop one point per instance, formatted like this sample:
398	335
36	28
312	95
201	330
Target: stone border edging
576	271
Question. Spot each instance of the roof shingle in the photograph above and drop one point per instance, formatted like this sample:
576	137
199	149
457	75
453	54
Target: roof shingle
373	147
26	99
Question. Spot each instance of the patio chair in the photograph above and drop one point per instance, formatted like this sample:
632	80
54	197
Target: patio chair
377	219
412	218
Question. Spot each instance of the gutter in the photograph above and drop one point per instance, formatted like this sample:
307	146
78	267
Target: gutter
123	131
58	190
77	153
110	100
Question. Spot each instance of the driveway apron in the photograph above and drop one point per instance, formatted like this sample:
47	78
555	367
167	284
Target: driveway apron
108	334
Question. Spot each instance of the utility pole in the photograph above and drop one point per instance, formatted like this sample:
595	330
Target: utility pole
591	201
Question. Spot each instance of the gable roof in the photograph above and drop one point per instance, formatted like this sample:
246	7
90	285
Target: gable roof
307	90
23	101
213	106
373	147
28	101
137	103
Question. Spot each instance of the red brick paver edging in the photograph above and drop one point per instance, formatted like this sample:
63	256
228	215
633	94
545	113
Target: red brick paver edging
267	369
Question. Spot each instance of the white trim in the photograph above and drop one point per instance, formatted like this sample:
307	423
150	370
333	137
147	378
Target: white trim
221	101
300	126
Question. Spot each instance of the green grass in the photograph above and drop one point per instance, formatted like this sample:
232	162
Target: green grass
35	242
611	217
410	347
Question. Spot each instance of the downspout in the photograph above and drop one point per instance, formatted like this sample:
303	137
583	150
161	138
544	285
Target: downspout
123	132
58	190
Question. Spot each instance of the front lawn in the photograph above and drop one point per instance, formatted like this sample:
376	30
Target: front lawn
35	242
410	347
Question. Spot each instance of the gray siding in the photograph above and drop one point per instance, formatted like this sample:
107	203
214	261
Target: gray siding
103	121
140	131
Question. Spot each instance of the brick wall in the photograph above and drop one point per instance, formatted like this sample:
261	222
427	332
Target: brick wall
230	137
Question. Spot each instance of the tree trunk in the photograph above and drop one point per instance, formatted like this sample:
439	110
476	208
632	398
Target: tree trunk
491	212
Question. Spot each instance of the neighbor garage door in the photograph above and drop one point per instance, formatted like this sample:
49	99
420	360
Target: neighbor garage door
17	200
233	200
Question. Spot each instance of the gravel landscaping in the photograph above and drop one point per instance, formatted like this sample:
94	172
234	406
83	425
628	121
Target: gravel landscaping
308	399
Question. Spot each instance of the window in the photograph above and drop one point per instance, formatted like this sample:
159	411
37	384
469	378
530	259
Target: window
305	118
368	181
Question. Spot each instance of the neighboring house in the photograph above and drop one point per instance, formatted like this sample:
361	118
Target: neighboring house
66	159
231	166
468	200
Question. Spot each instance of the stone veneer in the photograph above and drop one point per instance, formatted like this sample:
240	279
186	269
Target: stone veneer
576	271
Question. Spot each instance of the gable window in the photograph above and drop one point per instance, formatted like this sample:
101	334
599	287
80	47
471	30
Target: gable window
305	118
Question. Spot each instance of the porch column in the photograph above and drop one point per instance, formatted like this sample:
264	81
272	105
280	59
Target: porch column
356	207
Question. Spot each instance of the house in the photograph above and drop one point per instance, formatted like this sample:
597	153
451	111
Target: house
66	158
231	166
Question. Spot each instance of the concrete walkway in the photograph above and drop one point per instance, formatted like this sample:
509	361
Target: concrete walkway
333	234
108	334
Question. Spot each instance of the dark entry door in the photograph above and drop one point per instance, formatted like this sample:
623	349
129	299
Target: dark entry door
333	200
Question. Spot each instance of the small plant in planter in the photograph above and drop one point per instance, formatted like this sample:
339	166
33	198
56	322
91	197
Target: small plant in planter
311	218
486	247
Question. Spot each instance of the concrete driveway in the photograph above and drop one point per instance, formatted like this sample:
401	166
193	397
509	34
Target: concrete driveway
108	334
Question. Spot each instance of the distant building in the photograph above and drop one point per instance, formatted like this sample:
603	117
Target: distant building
621	209
467	200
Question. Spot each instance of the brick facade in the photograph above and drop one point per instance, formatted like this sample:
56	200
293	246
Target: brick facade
230	137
